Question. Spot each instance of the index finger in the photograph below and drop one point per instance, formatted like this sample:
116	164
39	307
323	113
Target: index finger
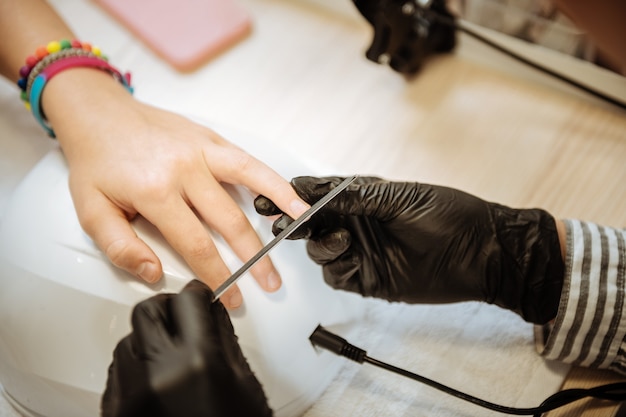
239	167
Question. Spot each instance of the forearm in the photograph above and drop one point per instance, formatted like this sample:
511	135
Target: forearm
26	25
590	327
30	24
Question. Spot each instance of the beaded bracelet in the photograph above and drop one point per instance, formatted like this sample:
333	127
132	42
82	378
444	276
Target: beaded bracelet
44	52
65	53
56	67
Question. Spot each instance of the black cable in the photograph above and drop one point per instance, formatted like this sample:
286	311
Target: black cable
340	346
452	23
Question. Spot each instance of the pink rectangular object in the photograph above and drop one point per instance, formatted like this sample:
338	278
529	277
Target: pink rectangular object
185	33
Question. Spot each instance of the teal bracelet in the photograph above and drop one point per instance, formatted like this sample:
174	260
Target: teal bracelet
49	59
56	67
44	52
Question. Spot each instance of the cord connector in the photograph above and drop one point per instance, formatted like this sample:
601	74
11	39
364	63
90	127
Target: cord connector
340	346
336	344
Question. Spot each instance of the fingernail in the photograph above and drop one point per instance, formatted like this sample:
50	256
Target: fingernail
235	300
148	272
273	281
283	222
298	207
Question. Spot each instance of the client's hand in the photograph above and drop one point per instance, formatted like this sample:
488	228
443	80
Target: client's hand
182	358
422	243
128	158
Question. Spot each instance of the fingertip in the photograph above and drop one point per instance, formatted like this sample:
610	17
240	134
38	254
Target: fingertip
281	224
273	282
265	207
302	232
266	275
134	256
233	300
298	207
149	272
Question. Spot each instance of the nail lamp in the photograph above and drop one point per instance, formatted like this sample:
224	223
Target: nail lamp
64	306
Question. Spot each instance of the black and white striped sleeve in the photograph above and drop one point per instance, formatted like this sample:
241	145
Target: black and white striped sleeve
590	326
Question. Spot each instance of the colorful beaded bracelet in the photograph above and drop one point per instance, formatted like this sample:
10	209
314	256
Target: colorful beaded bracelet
51	48
56	67
36	70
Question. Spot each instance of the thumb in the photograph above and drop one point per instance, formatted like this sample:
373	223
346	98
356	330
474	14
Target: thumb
111	231
329	246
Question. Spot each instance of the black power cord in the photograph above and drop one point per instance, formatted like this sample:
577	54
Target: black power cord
613	392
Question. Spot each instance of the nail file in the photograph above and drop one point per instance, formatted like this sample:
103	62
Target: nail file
282	235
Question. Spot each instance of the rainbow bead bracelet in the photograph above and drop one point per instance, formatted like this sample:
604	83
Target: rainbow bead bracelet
56	67
51	48
49	60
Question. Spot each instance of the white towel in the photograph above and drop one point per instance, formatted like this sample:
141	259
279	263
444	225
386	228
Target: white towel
477	348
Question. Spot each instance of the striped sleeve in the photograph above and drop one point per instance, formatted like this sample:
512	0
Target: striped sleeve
590	326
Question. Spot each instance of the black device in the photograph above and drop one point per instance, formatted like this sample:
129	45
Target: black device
407	32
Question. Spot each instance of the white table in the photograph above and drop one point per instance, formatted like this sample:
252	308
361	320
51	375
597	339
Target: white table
471	120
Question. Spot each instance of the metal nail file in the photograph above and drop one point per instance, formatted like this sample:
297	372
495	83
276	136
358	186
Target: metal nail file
282	235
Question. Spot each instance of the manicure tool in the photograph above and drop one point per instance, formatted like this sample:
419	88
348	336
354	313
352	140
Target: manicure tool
282	235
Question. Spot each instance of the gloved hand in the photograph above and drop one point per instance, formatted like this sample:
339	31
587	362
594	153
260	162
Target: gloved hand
420	243
182	358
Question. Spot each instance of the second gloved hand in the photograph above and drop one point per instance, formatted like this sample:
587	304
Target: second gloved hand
182	359
420	243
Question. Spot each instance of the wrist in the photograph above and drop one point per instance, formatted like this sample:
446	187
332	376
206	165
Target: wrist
532	267
562	233
77	96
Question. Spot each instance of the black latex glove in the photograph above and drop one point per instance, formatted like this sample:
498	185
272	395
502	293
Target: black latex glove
420	243
182	359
